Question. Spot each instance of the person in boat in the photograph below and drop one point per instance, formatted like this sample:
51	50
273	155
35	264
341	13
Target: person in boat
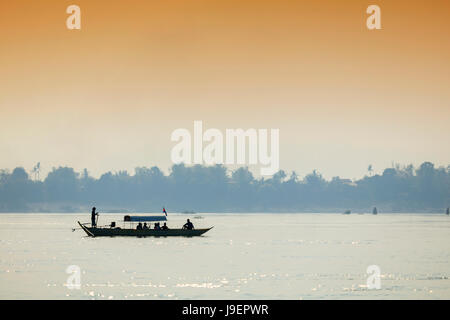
145	227
165	227
157	227
139	226
93	214
188	225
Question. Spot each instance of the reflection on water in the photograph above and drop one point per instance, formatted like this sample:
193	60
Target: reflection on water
245	256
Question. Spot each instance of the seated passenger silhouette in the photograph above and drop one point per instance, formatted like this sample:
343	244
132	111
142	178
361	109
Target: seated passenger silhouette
165	227
157	227
145	227
139	226
188	225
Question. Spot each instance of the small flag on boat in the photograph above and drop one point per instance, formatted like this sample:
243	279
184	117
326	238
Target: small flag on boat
165	212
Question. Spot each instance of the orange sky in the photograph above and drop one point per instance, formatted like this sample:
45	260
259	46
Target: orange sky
107	97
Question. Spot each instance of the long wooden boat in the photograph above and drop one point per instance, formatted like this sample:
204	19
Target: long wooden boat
119	232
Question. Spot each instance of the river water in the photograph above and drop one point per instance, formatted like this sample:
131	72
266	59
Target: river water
245	256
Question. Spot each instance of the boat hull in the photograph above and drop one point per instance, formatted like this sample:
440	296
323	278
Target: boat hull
119	232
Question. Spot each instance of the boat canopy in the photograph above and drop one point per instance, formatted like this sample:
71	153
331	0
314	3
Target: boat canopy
144	218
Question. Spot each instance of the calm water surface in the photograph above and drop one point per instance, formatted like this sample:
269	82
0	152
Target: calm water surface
245	256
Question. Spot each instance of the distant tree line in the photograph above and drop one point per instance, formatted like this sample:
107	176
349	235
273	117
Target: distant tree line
215	189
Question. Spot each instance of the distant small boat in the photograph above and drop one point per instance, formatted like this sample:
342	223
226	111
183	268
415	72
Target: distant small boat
347	212
374	211
116	211
188	212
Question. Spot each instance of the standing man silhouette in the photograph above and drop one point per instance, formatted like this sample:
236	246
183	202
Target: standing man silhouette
93	214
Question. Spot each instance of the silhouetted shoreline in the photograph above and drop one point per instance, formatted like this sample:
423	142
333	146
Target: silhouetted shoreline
216	189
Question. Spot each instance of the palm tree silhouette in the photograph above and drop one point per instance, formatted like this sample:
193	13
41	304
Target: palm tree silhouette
36	170
370	169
